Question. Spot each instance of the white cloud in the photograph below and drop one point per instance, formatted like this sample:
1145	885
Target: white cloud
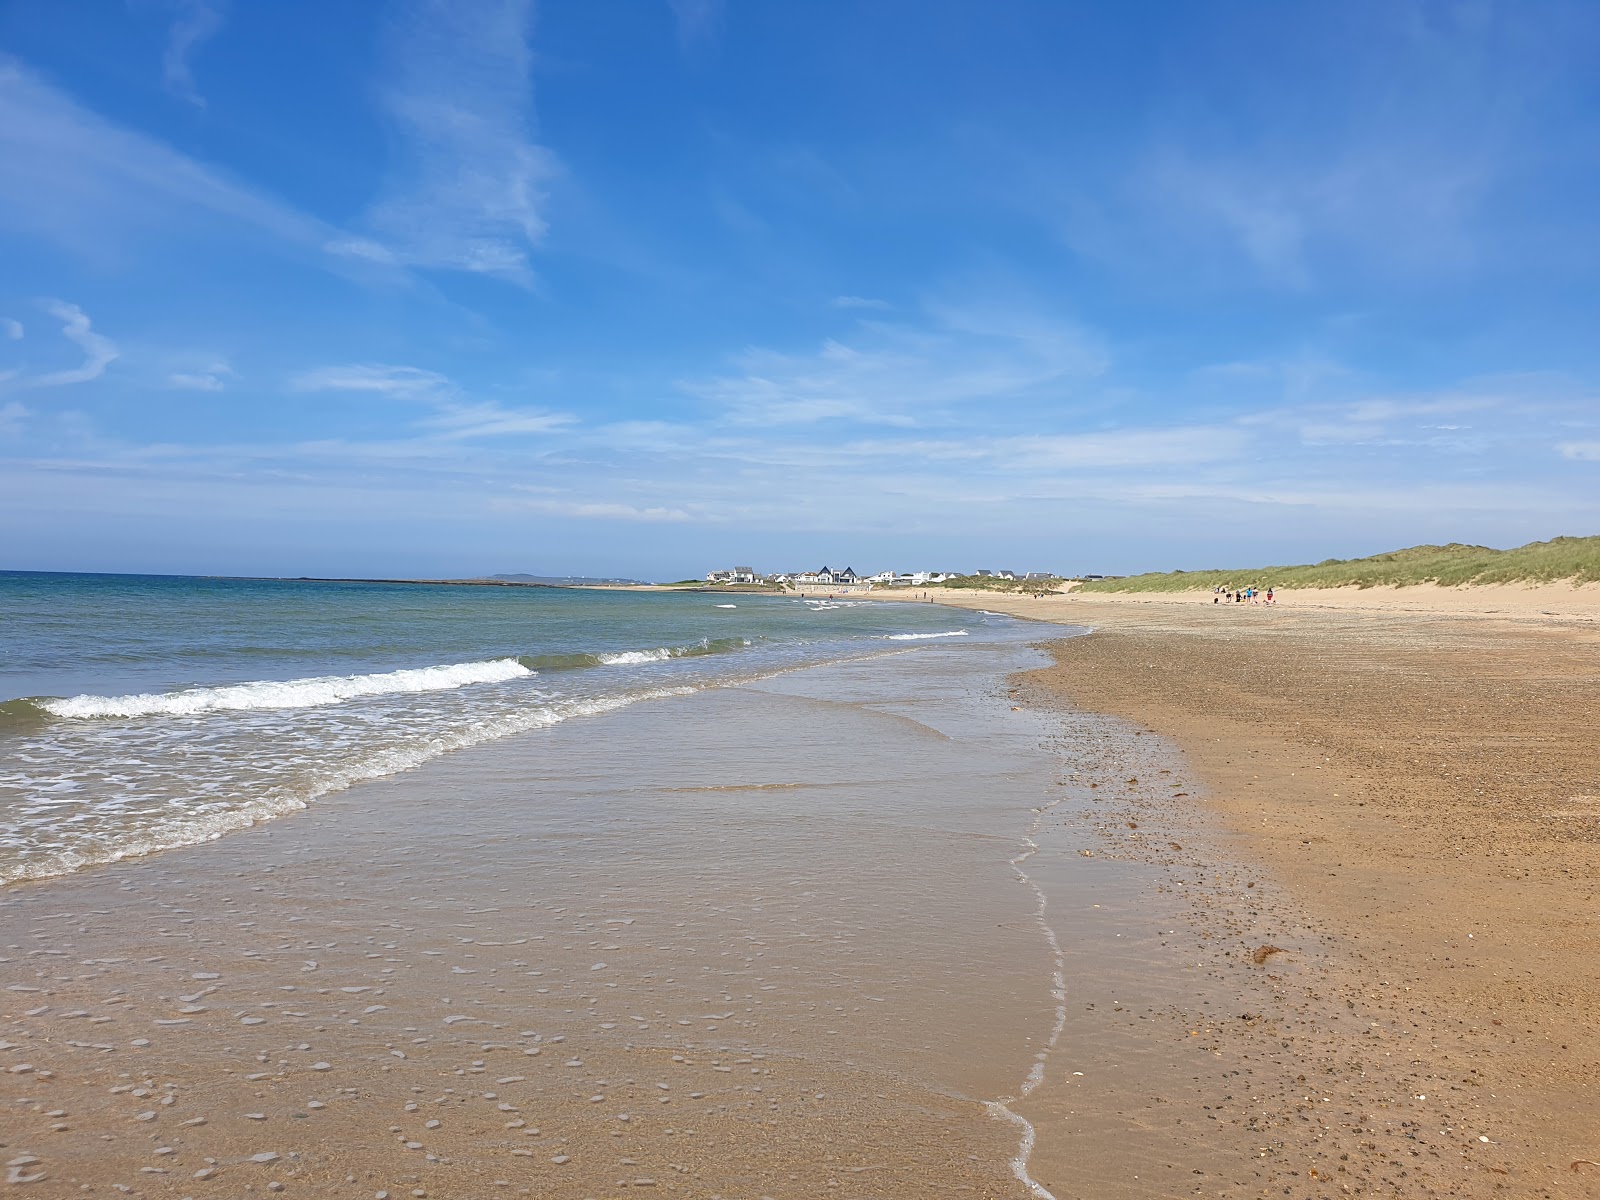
465	190
599	510
195	382
1164	447
859	302
454	419
458	422
12	329
403	383
12	416
212	377
1580	451
98	351
196	22
899	374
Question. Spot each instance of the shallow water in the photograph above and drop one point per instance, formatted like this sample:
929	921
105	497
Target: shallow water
768	939
142	713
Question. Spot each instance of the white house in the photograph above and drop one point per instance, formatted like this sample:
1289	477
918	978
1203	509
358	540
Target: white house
826	576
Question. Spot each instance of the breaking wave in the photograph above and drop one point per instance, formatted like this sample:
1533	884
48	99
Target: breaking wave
176	827
290	693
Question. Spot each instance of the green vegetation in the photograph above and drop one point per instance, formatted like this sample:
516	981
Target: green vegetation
1564	558
685	583
989	583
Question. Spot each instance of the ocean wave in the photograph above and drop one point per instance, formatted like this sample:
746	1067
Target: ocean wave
619	658
16	714
290	693
177	828
922	637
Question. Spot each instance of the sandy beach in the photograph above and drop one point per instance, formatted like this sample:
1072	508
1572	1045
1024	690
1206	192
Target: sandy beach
1212	900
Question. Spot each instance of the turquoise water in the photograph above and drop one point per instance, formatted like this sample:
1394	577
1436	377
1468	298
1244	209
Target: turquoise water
140	713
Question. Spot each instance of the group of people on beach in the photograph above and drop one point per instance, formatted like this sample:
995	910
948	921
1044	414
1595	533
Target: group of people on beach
1225	593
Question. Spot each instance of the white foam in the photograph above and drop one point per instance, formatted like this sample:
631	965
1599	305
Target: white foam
627	657
727	606
1001	1108
922	637
210	823
290	693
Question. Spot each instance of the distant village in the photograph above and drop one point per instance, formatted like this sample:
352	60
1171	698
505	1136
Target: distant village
846	577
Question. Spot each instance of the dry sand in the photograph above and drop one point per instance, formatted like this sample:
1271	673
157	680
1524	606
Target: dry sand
1510	601
1409	781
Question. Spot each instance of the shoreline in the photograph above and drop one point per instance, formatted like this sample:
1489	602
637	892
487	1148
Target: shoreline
613	954
1421	785
1231	784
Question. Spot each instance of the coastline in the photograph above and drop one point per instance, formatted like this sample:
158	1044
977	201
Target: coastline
1418	779
960	932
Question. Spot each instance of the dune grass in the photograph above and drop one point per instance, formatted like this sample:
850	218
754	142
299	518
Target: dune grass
1576	559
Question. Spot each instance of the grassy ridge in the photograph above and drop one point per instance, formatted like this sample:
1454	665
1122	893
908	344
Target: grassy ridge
1564	558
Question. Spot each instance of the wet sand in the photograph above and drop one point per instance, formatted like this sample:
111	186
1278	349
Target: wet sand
1415	796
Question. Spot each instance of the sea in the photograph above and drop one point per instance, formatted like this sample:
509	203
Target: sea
144	713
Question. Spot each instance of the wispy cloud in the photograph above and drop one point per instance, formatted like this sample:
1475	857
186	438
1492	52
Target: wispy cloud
11	328
1162	447
1398	162
466	187
1261	217
459	422
598	510
12	416
98	351
195	23
404	383
213	377
859	302
454	419
699	22
69	175
906	374
1580	451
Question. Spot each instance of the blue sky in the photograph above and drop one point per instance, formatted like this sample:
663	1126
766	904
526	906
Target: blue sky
653	286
